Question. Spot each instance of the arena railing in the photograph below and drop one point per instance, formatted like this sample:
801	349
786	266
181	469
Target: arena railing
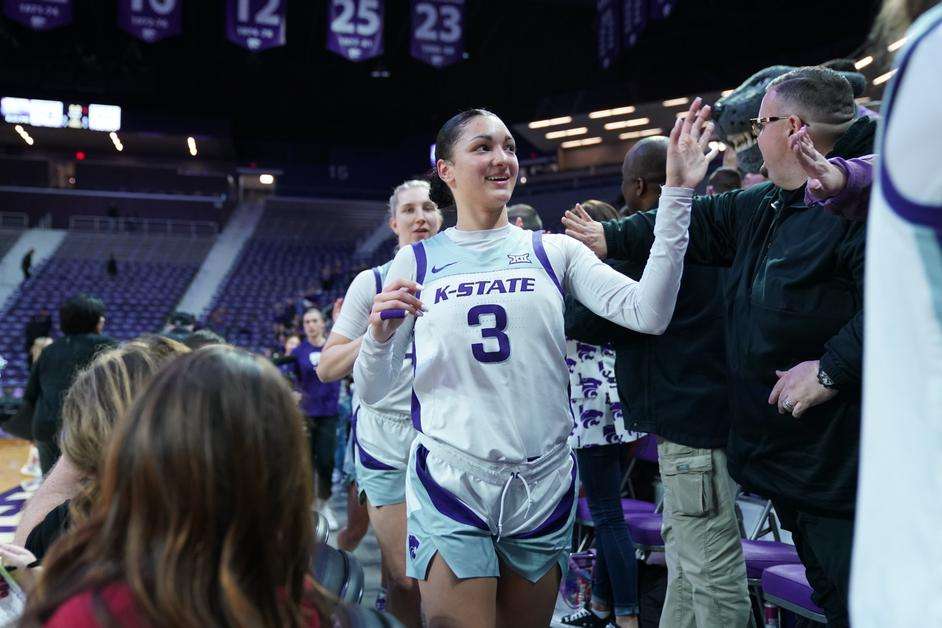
14	220
144	226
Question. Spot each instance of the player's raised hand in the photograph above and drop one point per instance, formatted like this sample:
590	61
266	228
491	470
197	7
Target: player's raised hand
687	154
392	305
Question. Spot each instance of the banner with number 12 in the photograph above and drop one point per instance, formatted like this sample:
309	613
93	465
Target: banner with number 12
256	24
438	31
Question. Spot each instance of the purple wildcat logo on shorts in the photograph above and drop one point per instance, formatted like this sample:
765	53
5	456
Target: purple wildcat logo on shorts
413	546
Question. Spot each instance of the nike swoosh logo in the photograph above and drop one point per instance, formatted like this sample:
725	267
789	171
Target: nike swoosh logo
441	268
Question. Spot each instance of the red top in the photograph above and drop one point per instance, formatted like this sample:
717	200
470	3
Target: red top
78	611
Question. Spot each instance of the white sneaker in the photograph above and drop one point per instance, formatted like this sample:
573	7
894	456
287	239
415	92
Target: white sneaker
28	486
32	467
332	522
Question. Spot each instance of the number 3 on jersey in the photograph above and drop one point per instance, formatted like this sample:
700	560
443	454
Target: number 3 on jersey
497	332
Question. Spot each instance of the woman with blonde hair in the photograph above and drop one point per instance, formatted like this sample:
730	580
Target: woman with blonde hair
98	399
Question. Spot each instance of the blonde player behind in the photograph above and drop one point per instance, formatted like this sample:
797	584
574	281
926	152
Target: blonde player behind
382	431
491	481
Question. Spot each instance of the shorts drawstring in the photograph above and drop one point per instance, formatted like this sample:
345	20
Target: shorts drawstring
503	494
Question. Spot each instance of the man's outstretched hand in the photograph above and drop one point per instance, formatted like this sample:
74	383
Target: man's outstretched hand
579	225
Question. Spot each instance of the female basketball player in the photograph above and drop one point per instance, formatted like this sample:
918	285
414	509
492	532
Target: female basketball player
383	430
491	481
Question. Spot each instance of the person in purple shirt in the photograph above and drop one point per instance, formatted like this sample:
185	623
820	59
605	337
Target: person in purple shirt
319	401
837	185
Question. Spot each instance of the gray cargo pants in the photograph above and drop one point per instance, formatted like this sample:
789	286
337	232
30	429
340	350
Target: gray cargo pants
706	573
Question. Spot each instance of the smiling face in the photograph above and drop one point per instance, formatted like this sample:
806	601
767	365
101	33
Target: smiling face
482	169
416	217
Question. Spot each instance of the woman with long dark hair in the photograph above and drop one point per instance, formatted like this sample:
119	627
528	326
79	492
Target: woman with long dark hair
204	514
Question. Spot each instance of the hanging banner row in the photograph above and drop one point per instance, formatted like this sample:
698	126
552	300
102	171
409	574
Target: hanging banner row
354	27
619	24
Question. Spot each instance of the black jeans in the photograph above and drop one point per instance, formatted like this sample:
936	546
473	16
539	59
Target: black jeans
615	576
824	545
322	432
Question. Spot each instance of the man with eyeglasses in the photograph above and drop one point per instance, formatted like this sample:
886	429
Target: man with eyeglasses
793	322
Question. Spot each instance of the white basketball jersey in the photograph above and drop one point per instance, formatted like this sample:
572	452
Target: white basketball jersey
489	354
397	402
897	567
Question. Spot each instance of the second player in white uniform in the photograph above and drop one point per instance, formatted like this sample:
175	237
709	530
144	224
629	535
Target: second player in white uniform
382	431
490	493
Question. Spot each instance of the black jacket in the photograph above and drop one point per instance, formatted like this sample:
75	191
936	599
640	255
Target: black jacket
794	292
37	327
52	375
672	385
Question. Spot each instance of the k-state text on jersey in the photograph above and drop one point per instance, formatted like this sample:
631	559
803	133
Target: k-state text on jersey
485	287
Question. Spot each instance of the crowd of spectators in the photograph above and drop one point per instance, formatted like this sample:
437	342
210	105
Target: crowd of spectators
180	472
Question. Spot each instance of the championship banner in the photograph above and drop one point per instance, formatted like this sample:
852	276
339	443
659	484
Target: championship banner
40	15
661	9
256	24
608	28
634	19
355	28
150	20
438	31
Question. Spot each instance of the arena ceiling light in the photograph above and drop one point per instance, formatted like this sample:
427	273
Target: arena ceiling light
624	124
862	63
883	78
542	124
675	102
608	113
24	135
633	135
191	144
589	141
720	146
266	179
117	141
553	135
896	45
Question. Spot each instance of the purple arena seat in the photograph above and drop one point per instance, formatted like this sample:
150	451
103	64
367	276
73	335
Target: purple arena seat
645	529
646	448
292	253
153	274
786	586
760	555
628	506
